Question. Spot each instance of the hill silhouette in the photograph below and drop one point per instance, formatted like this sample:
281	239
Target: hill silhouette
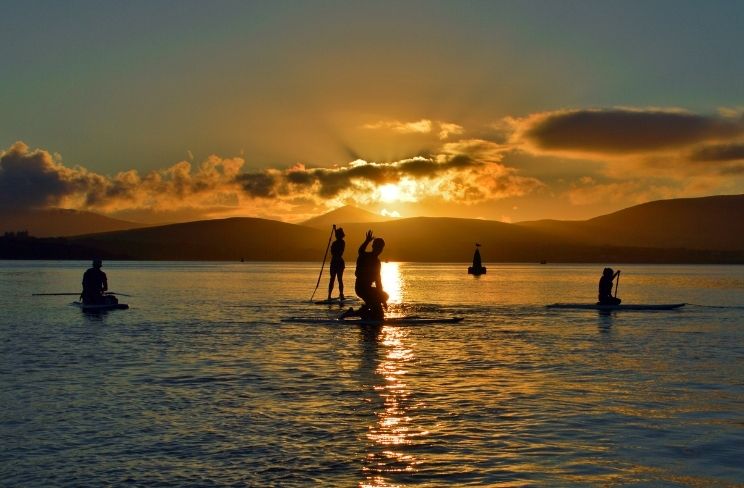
702	230
224	239
59	222
713	223
342	216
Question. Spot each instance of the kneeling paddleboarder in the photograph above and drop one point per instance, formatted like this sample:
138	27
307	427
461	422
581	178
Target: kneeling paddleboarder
368	284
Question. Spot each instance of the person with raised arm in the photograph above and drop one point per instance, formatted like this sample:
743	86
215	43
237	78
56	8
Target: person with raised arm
368	284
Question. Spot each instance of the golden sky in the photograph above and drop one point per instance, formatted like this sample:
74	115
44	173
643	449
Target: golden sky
506	111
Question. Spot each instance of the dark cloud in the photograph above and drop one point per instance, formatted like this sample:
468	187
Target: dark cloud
258	185
34	179
719	153
31	179
623	131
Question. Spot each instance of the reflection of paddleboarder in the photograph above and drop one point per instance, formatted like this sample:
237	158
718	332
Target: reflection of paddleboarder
605	287
367	273
337	263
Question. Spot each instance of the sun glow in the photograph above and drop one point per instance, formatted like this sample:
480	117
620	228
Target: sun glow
389	192
405	190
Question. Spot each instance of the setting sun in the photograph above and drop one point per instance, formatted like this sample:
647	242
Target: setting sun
389	193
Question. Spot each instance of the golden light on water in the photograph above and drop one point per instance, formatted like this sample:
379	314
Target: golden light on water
394	427
392	282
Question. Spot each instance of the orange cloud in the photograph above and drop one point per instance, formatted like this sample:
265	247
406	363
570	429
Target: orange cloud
423	126
466	172
469	171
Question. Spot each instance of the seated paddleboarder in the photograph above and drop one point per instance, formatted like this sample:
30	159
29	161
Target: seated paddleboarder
605	287
337	263
367	273
95	285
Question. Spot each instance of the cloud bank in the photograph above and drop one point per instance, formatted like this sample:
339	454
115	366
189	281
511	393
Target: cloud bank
630	155
467	172
622	131
35	179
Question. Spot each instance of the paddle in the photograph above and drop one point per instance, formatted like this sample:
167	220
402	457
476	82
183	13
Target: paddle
333	229
617	283
53	294
73	294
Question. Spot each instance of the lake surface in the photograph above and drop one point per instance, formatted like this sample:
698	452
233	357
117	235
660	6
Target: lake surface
201	384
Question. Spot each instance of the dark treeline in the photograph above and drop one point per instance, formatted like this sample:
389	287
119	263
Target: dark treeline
269	247
19	245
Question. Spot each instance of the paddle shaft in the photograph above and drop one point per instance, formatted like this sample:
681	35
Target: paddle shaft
617	283
72	294
53	294
325	256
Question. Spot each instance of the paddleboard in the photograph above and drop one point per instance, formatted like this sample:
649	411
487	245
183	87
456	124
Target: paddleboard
622	306
103	307
388	321
336	301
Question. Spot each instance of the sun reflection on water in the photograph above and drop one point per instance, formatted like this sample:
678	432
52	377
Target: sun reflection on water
394	428
392	281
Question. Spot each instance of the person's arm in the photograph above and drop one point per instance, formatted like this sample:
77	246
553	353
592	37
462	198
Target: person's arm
617	273
367	240
105	282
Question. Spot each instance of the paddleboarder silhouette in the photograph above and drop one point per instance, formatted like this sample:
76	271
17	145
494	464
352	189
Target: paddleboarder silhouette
95	286
368	267
605	287
337	263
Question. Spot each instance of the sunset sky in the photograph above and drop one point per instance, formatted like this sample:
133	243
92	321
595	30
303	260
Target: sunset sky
508	110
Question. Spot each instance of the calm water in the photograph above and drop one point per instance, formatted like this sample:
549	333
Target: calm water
199	383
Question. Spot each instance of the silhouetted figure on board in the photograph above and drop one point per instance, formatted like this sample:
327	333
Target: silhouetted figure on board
95	286
337	263
367	273
477	267
605	287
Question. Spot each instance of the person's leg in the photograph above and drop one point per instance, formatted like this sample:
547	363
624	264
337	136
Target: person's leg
341	283
330	283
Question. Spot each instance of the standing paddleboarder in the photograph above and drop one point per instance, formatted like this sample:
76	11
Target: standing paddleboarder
367	273
605	287
337	263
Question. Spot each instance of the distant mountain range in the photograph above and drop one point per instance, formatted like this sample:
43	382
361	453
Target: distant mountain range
59	222
695	230
715	223
342	216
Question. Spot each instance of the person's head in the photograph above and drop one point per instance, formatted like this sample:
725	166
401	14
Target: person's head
377	245
340	233
97	263
607	272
